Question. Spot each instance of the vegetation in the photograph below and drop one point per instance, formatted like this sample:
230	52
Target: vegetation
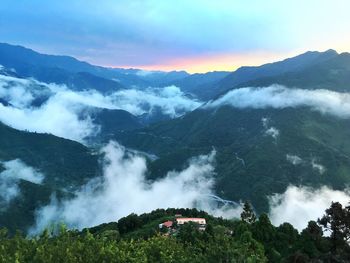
331	74
62	161
248	214
66	165
222	241
251	165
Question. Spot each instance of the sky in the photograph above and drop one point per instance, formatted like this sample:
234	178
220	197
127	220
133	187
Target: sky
196	35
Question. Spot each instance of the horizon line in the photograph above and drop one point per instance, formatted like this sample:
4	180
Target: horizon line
261	58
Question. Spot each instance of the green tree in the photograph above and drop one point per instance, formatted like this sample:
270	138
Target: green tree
336	222
248	214
311	241
286	238
129	223
264	232
250	250
189	233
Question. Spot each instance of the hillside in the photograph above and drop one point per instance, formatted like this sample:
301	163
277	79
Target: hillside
242	76
29	63
77	74
112	121
138	238
202	85
59	158
65	165
174	131
331	74
260	151
251	163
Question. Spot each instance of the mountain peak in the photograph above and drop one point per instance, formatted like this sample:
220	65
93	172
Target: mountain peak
331	51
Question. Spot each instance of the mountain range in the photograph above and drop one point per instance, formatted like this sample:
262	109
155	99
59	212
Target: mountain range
262	147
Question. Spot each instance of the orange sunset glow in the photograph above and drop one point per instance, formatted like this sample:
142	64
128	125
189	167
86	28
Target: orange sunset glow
222	62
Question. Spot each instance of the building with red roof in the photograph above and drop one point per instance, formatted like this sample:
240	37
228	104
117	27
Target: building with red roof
167	224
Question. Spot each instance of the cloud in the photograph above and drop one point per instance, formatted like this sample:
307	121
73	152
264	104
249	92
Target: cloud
20	92
278	97
15	171
56	115
294	159
317	166
53	117
146	33
145	73
123	189
60	112
273	132
299	205
270	131
154	32
265	122
170	100
313	163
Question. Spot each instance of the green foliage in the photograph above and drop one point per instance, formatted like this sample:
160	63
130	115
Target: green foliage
238	134
222	241
248	214
337	221
312	242
66	164
68	246
61	160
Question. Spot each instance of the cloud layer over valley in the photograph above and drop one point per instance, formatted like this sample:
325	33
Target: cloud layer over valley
123	189
27	104
278	97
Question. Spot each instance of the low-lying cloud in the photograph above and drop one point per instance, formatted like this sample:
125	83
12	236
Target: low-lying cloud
313	163
299	205
294	159
14	92
123	189
171	100
60	110
269	130
278	97
16	170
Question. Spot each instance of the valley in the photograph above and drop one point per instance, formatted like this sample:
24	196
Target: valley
260	148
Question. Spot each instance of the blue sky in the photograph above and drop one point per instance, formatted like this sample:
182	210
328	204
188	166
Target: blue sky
163	34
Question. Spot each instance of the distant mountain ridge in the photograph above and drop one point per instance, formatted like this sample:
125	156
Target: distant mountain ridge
332	74
81	75
243	75
201	84
68	70
58	69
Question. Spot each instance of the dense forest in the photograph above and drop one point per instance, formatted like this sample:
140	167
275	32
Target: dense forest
137	238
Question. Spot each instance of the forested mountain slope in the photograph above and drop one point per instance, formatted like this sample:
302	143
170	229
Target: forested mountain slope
259	151
63	164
